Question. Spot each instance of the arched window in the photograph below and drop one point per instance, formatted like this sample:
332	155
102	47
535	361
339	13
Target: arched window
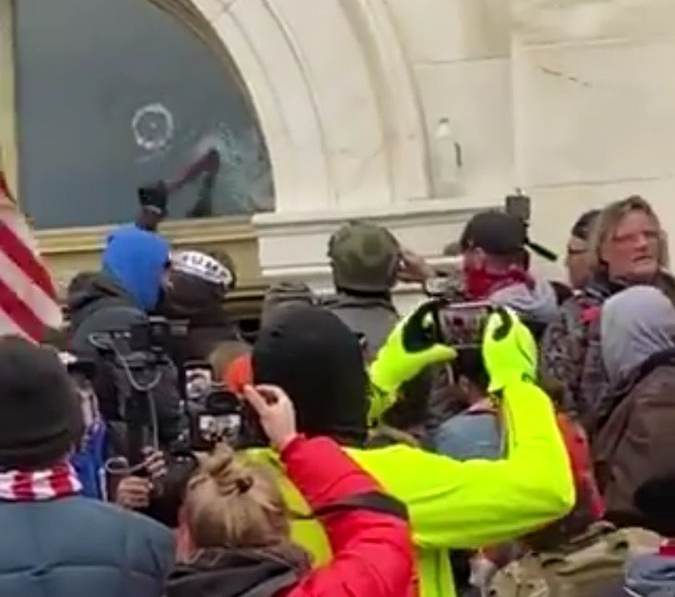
115	94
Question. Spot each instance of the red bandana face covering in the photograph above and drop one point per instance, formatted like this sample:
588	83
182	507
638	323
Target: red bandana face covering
39	486
480	283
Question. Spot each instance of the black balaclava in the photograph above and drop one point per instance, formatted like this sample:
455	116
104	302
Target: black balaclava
318	361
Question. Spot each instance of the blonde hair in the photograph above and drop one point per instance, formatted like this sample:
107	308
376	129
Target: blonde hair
232	503
609	220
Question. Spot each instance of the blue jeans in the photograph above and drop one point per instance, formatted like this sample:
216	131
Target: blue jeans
469	436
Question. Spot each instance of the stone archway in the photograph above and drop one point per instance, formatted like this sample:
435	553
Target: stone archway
330	145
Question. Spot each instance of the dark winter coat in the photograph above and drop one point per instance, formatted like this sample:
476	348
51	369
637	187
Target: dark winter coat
637	442
101	304
79	547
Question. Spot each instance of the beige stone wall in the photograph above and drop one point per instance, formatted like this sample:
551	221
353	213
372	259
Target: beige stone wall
570	99
594	101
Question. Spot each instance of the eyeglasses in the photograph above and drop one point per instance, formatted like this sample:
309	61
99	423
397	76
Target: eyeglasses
576	252
635	237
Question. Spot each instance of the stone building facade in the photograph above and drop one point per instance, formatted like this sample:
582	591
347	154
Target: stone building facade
417	113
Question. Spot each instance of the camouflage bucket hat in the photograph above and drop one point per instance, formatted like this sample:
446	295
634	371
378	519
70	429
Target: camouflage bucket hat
364	257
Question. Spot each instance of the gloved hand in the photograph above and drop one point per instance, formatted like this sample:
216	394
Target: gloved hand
410	347
509	350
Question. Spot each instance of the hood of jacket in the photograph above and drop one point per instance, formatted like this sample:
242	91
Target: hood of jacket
636	324
137	259
219	572
537	304
651	575
90	292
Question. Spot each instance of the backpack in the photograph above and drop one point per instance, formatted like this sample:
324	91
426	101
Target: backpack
589	566
582	322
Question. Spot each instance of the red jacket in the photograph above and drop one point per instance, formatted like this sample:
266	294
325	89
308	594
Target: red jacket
373	552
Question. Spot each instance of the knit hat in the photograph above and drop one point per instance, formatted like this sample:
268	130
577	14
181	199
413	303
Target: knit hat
203	266
154	197
364	257
40	418
318	361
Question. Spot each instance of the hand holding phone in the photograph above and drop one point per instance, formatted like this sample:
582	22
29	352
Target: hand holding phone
276	413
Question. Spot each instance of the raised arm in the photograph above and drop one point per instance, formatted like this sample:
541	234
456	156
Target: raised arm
368	531
474	503
372	549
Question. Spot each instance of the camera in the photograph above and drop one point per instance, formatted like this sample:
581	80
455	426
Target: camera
156	334
215	414
519	206
139	359
219	419
222	416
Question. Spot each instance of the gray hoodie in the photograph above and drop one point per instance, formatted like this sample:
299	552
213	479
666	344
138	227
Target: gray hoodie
636	324
538	305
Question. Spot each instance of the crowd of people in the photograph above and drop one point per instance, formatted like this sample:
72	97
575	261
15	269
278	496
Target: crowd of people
509	437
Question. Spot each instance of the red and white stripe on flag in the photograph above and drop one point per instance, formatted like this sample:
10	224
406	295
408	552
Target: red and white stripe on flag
28	302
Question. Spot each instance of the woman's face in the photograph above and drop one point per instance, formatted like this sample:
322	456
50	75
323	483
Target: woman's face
632	250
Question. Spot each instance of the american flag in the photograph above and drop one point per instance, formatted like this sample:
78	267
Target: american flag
28	302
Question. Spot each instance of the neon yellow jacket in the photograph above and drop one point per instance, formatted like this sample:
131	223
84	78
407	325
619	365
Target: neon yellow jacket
468	504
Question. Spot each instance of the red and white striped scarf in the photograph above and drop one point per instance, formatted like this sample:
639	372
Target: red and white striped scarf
39	486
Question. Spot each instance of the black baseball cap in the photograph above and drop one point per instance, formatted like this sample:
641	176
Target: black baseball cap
496	232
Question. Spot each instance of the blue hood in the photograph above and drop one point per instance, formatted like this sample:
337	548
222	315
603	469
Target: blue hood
136	259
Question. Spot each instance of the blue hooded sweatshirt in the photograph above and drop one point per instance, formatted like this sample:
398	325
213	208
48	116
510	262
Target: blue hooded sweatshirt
136	259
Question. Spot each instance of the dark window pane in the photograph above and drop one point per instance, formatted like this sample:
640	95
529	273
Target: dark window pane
113	94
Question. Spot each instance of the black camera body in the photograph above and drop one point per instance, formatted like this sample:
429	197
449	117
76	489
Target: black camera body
222	416
140	354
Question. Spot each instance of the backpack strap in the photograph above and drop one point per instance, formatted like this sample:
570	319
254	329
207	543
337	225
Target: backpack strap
372	501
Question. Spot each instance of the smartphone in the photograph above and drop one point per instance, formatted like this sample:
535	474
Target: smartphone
462	325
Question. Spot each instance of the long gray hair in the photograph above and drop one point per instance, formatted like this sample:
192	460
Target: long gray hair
609	220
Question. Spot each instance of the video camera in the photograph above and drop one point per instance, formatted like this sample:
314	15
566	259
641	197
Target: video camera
519	206
139	352
215	414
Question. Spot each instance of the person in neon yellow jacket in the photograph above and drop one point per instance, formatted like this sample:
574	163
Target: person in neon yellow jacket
452	505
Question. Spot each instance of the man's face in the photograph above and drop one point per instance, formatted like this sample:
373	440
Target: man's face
578	262
632	251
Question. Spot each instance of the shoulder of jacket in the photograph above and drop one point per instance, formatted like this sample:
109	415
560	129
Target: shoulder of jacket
660	379
124	519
